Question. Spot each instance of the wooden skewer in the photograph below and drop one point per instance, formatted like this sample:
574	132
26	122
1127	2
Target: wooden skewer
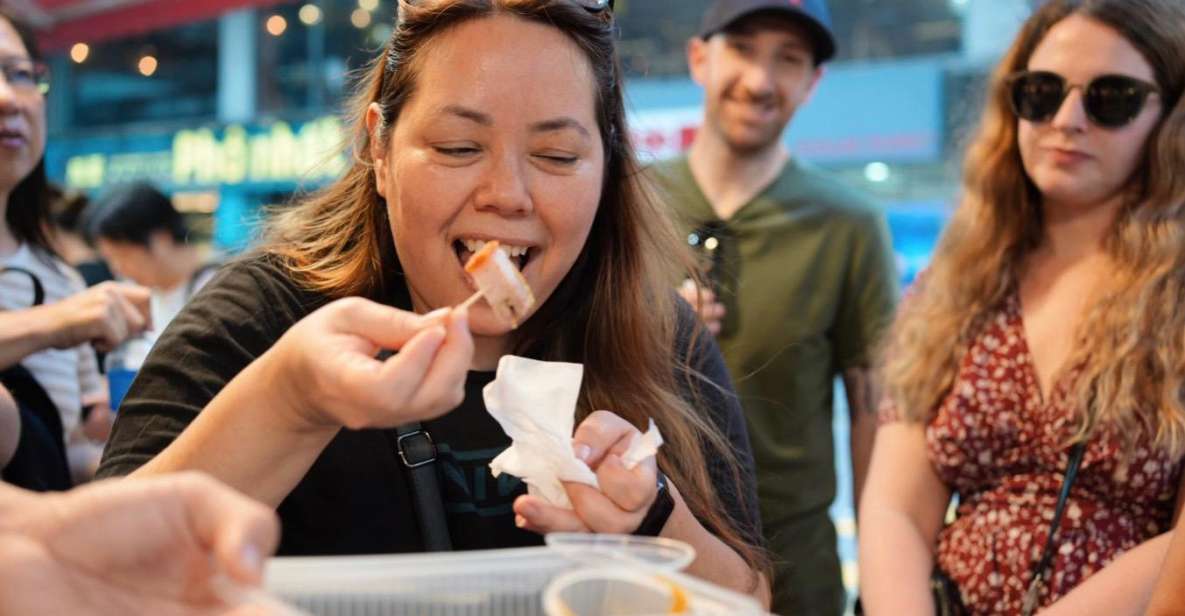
467	304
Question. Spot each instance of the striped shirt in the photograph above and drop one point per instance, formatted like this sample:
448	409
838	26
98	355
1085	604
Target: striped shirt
69	376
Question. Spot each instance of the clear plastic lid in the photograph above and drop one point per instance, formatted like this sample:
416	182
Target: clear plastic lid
632	591
613	592
595	549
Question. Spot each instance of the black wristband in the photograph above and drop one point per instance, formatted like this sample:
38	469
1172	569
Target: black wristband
660	510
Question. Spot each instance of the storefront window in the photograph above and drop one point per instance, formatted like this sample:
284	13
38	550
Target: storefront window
165	75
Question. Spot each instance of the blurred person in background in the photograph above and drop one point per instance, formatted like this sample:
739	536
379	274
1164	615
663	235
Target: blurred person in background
48	319
69	238
146	240
1045	345
481	120
802	277
165	545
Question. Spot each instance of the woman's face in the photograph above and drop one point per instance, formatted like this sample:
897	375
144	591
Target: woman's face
498	142
1073	161
22	112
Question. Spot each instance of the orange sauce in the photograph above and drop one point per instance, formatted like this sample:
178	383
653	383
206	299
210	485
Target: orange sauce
678	598
479	258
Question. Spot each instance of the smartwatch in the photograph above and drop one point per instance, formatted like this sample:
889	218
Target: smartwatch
659	512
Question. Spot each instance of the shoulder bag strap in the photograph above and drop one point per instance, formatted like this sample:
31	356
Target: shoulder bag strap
417	452
1041	567
38	288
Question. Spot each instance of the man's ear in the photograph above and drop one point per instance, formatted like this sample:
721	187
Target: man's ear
378	155
697	59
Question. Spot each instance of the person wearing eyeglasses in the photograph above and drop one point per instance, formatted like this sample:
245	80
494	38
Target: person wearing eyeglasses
482	120
49	321
800	276
1035	369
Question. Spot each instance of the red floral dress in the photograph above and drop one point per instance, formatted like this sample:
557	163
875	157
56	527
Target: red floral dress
997	444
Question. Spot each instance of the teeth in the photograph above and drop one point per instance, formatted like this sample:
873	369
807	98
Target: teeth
511	251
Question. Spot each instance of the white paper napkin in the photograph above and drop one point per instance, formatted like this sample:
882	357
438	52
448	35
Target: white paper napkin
535	403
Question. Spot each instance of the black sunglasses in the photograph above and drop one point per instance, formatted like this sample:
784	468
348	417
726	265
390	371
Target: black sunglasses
1110	101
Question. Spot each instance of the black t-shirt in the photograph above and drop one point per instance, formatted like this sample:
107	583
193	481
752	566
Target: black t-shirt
356	498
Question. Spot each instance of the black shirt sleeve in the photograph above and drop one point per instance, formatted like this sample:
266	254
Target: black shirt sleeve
709	388
233	320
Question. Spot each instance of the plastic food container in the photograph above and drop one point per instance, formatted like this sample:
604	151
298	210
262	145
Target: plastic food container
480	583
509	582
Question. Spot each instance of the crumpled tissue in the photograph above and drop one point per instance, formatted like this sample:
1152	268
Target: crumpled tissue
535	403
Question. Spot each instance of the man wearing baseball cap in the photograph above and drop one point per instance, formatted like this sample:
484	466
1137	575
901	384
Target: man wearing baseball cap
801	271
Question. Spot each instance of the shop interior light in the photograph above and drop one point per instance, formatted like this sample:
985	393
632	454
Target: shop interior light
310	14
360	18
276	25
369	5
877	172
80	52
380	33
147	65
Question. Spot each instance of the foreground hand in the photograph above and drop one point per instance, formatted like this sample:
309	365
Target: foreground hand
710	311
104	315
625	494
325	368
131	546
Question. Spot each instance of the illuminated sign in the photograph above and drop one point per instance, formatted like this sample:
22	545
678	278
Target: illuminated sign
230	156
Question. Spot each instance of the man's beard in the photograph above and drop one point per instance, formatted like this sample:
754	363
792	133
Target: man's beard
753	146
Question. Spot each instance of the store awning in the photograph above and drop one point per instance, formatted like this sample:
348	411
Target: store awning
64	22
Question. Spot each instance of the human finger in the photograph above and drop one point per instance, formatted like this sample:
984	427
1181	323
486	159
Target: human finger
533	514
630	489
241	532
599	513
599	433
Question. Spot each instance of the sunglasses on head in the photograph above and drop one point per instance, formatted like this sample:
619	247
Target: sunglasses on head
1110	101
596	6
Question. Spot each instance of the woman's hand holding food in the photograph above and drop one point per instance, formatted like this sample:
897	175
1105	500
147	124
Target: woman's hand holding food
326	370
625	495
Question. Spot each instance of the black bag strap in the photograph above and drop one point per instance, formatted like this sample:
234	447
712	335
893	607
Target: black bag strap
38	288
417	452
39	462
1041	567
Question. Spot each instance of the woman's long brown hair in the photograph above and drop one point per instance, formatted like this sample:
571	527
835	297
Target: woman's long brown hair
614	312
1130	349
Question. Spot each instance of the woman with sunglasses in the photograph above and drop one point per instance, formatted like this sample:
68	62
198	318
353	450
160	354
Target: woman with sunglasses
48	319
1049	323
481	120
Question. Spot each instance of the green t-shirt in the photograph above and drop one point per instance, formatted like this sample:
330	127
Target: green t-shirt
807	276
